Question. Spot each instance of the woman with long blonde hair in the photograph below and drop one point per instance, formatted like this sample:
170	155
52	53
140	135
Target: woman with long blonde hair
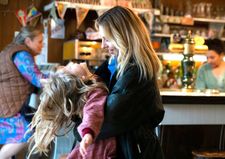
134	107
66	98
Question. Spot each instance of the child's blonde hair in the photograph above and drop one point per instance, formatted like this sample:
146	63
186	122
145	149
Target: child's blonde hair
63	97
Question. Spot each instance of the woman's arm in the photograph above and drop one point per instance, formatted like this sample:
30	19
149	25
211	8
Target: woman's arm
27	67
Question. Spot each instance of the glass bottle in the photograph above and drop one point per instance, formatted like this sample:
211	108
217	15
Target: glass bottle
188	63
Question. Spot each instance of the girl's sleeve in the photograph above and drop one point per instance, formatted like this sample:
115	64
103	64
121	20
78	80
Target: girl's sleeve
27	67
93	112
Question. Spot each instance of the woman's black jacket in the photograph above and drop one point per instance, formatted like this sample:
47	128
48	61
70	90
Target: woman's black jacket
133	109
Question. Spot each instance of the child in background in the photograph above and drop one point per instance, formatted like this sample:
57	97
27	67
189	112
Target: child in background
65	97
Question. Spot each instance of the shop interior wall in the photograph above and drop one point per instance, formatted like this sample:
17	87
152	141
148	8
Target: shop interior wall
9	24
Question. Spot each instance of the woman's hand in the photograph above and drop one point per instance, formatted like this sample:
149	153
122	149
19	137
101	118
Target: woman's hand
85	142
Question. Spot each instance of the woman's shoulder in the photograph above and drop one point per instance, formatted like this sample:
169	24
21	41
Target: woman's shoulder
205	67
131	76
23	53
130	72
131	68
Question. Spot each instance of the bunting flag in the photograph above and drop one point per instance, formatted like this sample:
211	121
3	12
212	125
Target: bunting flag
61	8
32	12
53	14
21	16
81	13
33	16
34	20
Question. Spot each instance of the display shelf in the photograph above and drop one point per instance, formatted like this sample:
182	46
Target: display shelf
164	35
168	36
196	19
207	20
160	35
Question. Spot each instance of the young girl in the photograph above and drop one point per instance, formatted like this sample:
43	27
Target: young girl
65	97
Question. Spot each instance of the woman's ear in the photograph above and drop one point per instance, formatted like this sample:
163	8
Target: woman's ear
27	41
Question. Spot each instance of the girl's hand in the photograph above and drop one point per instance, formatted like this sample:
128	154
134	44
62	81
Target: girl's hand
85	142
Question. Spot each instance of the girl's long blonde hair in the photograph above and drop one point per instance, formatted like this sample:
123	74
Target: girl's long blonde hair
63	97
129	35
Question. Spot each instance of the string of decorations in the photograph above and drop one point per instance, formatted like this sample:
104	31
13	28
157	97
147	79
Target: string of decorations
141	4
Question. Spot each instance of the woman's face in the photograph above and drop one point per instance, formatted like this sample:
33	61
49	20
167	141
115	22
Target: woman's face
76	69
36	44
213	58
106	44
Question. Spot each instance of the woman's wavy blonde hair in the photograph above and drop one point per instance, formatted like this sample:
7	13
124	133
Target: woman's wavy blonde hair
129	35
63	97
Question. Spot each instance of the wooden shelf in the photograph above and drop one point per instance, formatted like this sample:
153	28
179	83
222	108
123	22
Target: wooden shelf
196	19
182	36
207	20
161	35
164	35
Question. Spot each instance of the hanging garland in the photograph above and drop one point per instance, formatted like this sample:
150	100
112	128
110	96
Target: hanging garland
28	18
